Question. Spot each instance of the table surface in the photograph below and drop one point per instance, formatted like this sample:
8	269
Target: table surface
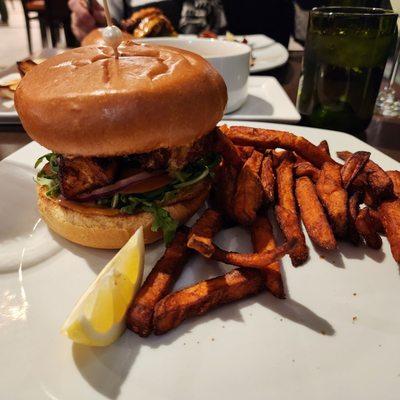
383	133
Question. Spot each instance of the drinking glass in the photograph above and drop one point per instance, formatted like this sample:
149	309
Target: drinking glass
345	56
388	102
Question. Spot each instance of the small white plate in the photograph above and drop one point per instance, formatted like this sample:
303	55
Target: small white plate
267	101
8	115
267	53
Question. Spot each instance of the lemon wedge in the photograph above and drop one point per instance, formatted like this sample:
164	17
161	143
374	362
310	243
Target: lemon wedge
98	319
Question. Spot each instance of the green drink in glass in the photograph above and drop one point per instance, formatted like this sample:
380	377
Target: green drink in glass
345	56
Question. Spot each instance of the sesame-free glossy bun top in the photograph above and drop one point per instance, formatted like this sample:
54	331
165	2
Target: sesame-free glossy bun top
85	102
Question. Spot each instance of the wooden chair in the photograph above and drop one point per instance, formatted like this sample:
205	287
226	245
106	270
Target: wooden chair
58	15
35	10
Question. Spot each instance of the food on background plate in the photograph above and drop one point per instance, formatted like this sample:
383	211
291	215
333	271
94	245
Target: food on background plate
9	86
128	150
148	22
98	318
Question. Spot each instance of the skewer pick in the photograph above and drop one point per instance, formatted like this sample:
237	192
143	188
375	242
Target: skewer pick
112	35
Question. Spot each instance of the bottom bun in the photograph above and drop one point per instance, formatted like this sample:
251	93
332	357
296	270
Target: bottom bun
108	232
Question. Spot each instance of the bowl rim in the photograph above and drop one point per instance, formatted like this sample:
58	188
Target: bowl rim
241	48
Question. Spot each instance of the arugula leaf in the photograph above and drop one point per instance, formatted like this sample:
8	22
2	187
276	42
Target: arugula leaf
53	187
163	221
50	180
42	158
194	180
115	200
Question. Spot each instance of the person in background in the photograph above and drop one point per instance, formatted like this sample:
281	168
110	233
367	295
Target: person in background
3	13
199	16
274	18
187	16
86	15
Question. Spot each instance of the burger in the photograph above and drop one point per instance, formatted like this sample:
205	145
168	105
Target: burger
131	140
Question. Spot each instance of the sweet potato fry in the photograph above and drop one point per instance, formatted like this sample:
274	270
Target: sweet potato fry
395	177
376	221
390	217
245	151
262	238
285	185
249	191
370	198
279	156
378	180
263	139
25	66
254	260
354	208
222	200
158	284
367	230
198	299
313	215
333	197
307	169
323	145
203	231
290	226
360	182
352	167
228	150
286	211
267	178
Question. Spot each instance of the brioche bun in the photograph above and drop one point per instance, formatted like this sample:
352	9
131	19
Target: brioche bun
108	232
96	37
84	102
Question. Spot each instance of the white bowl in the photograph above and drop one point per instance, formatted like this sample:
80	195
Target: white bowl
231	59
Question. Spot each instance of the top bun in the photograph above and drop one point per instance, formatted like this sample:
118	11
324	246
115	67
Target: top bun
85	102
96	37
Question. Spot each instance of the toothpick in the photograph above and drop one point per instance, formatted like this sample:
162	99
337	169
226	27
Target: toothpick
112	35
107	11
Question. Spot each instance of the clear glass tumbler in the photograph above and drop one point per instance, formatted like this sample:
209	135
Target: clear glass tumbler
344	60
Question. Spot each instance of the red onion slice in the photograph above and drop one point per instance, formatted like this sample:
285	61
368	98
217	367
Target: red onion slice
115	187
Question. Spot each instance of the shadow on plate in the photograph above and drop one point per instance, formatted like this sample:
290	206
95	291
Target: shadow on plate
255	106
106	368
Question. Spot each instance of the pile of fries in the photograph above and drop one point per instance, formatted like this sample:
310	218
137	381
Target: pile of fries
356	201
